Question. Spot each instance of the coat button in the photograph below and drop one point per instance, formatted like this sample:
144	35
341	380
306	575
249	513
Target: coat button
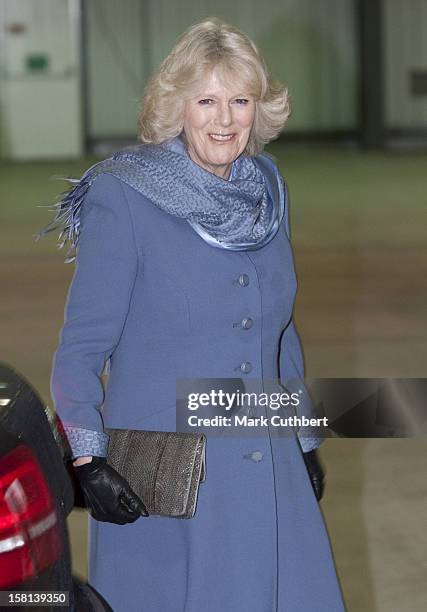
254	456
247	323
246	367
243	280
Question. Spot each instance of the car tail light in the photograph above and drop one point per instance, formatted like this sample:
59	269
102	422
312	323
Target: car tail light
29	534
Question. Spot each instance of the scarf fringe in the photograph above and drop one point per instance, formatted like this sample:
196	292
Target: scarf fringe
67	215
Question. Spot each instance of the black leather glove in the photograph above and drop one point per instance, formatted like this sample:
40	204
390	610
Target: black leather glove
108	496
316	473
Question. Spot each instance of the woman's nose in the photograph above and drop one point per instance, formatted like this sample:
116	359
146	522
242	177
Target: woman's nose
224	116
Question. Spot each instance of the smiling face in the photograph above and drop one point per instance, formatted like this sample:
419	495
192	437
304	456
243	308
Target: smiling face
217	124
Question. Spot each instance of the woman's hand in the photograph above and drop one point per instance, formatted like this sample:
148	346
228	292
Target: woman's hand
82	461
108	496
316	473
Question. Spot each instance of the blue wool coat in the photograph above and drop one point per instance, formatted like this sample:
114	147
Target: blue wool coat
150	295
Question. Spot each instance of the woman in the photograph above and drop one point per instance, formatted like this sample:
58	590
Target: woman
184	270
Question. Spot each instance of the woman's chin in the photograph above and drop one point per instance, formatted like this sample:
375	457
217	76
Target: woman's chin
223	158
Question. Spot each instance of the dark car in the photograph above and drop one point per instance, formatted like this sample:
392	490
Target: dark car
36	496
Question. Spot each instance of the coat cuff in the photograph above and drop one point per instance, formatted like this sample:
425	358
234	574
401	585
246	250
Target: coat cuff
86	442
309	444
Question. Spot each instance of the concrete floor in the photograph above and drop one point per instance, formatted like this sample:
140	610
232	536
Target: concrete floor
359	231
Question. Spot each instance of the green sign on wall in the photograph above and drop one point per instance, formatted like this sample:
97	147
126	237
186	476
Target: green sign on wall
37	62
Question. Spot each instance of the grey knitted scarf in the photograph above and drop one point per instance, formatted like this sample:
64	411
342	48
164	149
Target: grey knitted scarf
238	214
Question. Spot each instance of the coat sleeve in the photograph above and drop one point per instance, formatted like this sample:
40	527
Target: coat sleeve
291	367
98	301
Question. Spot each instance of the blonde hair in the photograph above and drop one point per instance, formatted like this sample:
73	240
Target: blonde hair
203	47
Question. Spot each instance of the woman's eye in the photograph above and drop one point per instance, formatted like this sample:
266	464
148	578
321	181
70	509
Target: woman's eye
242	100
205	101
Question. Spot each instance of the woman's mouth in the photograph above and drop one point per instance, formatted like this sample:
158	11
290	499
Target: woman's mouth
222	137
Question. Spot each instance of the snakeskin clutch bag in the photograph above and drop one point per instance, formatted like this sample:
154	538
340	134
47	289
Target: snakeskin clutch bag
163	468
